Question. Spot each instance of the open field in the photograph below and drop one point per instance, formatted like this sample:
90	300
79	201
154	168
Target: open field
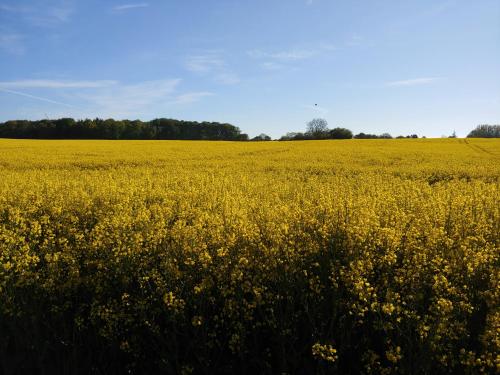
374	256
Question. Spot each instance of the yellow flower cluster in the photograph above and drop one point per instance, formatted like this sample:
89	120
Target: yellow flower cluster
220	257
325	352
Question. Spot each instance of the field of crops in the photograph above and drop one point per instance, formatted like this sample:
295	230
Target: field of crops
357	256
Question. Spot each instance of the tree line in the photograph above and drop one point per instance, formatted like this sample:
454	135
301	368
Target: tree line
68	128
485	131
318	129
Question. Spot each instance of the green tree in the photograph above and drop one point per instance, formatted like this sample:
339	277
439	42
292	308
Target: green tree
340	133
317	128
261	137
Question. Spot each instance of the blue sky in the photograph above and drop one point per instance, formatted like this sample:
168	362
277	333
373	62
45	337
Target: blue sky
415	66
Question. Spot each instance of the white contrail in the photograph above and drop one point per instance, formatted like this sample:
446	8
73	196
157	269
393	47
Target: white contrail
130	6
35	97
413	82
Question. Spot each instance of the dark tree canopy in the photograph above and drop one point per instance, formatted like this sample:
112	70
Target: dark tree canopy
366	136
295	136
67	128
261	137
407	136
337	133
485	131
340	133
385	136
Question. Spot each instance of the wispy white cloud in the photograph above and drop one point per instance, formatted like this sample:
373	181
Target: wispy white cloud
204	63
12	44
50	13
122	100
309	2
106	98
39	98
270	65
134	100
54	84
214	65
440	7
412	82
191	97
60	12
227	78
130	6
354	40
15	9
326	47
290	55
275	60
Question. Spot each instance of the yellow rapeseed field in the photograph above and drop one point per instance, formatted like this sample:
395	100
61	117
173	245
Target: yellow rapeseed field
356	256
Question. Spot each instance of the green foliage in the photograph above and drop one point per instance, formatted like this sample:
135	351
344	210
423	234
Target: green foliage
485	131
373	136
67	128
340	133
413	136
317	128
261	137
296	136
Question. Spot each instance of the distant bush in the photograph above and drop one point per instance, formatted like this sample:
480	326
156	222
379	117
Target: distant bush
340	133
407	136
261	137
365	136
485	131
296	136
373	136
